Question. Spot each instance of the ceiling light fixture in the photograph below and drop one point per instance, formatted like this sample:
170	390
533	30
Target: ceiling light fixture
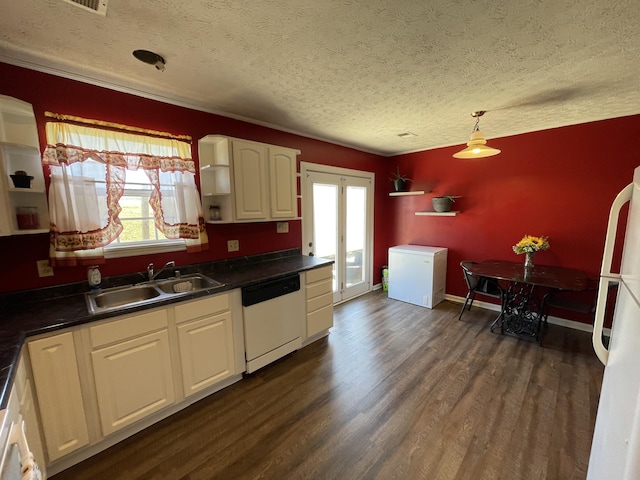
477	146
151	58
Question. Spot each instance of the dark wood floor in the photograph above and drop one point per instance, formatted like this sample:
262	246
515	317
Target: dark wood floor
395	392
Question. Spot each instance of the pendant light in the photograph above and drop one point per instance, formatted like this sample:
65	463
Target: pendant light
477	146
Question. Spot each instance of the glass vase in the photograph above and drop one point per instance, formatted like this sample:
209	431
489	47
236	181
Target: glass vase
528	259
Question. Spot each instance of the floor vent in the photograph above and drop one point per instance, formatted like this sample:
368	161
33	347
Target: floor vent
96	6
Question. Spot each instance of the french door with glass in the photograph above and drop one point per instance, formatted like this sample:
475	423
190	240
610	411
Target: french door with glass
337	224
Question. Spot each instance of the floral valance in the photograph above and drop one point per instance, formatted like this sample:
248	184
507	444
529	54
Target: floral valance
67	143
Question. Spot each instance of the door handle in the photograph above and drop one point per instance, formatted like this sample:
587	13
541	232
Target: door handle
598	323
623	197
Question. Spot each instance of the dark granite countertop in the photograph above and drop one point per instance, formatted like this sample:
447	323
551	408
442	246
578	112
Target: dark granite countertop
34	312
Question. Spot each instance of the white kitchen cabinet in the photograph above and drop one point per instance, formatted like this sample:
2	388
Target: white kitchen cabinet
23	389
132	368
23	208
248	181
57	384
205	337
215	178
283	187
319	295
17	123
100	383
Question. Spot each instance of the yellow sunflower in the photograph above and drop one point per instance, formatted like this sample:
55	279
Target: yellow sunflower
530	243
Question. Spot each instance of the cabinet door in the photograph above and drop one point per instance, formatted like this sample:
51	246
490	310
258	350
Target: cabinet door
133	380
57	382
249	180
206	352
283	191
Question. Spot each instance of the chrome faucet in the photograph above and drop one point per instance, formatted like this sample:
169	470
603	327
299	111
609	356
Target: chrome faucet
150	273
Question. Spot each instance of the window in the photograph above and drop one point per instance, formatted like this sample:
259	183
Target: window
117	194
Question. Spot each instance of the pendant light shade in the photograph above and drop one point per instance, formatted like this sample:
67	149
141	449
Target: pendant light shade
477	146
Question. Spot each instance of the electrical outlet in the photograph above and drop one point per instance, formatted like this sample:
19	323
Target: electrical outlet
233	245
44	269
282	227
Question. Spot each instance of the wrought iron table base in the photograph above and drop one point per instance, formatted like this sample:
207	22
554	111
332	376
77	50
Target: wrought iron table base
521	314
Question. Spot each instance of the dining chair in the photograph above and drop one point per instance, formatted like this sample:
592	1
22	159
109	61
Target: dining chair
477	285
583	302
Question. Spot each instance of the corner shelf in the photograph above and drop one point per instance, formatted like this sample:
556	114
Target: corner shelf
438	214
405	194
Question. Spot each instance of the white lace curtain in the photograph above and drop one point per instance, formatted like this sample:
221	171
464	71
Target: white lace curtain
88	169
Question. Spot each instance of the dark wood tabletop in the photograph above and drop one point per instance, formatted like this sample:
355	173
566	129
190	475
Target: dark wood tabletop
560	278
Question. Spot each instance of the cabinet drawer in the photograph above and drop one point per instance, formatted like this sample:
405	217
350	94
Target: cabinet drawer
318	289
128	327
319	302
319	320
200	308
319	274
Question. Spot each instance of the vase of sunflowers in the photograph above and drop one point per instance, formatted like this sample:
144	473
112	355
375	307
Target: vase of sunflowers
530	245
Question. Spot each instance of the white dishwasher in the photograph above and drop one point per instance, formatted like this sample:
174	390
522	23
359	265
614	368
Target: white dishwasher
274	315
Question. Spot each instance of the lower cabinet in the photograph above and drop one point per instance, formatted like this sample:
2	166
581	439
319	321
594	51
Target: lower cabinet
205	339
57	384
24	391
133	376
99	383
319	294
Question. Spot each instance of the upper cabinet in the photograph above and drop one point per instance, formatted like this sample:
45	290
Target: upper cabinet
17	123
250	180
245	181
283	187
22	190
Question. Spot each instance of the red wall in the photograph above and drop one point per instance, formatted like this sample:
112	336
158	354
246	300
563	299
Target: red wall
557	182
50	93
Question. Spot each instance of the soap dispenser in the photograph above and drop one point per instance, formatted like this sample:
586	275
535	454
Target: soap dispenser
94	277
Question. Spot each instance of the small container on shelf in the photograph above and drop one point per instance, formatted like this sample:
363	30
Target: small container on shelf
214	213
21	180
27	218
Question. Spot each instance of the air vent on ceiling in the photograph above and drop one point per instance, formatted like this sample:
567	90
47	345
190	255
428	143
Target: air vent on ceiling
407	135
96	6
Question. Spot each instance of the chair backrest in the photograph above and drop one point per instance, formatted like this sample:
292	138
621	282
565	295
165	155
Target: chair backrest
470	278
583	301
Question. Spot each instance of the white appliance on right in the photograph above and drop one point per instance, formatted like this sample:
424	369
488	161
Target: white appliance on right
615	451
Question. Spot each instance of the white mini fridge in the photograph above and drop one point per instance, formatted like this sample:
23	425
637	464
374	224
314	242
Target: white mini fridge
417	274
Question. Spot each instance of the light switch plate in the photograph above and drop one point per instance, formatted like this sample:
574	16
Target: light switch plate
44	269
233	245
282	227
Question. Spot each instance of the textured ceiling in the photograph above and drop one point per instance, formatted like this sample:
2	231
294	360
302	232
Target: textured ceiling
351	72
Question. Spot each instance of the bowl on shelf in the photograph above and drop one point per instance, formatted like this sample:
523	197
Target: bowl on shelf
21	181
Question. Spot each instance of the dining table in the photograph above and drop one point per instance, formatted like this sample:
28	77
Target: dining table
523	307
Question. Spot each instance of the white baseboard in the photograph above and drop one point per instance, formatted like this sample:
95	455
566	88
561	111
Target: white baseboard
562	322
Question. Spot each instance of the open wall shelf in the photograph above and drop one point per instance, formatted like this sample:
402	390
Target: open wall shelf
437	214
406	194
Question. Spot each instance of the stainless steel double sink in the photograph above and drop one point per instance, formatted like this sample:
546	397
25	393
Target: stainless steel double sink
120	298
